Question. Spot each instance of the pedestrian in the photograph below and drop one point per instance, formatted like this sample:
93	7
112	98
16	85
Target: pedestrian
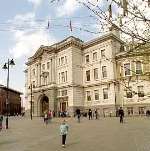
90	114
46	118
54	114
78	113
96	114
1	122
64	127
121	114
49	115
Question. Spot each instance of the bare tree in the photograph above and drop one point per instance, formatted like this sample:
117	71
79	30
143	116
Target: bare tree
130	17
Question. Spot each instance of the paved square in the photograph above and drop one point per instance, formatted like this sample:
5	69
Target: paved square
105	134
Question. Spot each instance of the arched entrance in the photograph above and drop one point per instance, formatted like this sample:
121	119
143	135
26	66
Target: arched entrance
44	104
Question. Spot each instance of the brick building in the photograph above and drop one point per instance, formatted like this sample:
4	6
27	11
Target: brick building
14	100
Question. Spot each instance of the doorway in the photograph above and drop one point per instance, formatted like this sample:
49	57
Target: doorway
44	105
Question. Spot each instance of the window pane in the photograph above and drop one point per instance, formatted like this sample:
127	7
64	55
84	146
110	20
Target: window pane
130	110
104	71
105	93
47	65
96	73
62	60
66	75
59	77
88	96
59	61
64	92
88	75
43	66
66	59
140	91
129	92
33	84
103	53
127	68
138	67
95	56
63	77
96	92
87	58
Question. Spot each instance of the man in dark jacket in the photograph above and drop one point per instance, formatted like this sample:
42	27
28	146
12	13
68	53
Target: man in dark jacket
78	113
90	114
121	114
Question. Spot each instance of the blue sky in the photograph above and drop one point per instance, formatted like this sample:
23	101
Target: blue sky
23	29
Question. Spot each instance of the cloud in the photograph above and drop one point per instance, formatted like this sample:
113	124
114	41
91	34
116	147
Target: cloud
71	6
27	43
67	8
36	3
28	40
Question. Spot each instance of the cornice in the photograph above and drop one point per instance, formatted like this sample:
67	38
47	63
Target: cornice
133	54
101	83
69	42
55	48
101	39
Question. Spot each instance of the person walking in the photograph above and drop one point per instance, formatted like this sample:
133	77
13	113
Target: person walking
90	114
121	114
1	122
64	127
46	118
78	113
96	114
49	116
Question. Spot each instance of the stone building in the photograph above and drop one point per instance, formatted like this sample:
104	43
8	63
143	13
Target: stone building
133	68
14	101
75	74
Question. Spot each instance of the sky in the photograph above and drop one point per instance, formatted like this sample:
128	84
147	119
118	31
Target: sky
24	27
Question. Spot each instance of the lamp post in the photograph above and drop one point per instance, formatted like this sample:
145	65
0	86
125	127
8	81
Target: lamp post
6	67
31	102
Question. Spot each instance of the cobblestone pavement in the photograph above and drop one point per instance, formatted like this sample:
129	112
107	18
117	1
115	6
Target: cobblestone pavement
105	134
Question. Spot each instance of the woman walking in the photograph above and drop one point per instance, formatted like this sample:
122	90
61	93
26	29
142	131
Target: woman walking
63	132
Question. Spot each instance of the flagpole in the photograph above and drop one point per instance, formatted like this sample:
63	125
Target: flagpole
70	26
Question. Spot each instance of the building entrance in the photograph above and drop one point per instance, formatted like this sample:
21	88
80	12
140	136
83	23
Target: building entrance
44	105
63	106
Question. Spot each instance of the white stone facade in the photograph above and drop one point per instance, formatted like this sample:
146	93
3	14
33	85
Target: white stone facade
72	74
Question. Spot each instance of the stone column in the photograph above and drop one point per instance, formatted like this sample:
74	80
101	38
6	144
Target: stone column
37	76
51	70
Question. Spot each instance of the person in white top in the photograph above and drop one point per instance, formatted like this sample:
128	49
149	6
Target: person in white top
64	127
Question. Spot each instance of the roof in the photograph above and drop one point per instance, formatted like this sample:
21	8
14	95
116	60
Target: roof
102	38
70	41
4	87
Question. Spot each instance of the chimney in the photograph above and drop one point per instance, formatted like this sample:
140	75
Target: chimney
114	30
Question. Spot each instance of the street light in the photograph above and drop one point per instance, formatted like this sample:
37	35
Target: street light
31	102
31	91
6	67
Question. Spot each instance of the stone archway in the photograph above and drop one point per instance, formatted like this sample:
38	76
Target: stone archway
44	104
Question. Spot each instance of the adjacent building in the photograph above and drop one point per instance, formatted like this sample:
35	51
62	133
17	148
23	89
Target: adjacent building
14	101
133	69
95	74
